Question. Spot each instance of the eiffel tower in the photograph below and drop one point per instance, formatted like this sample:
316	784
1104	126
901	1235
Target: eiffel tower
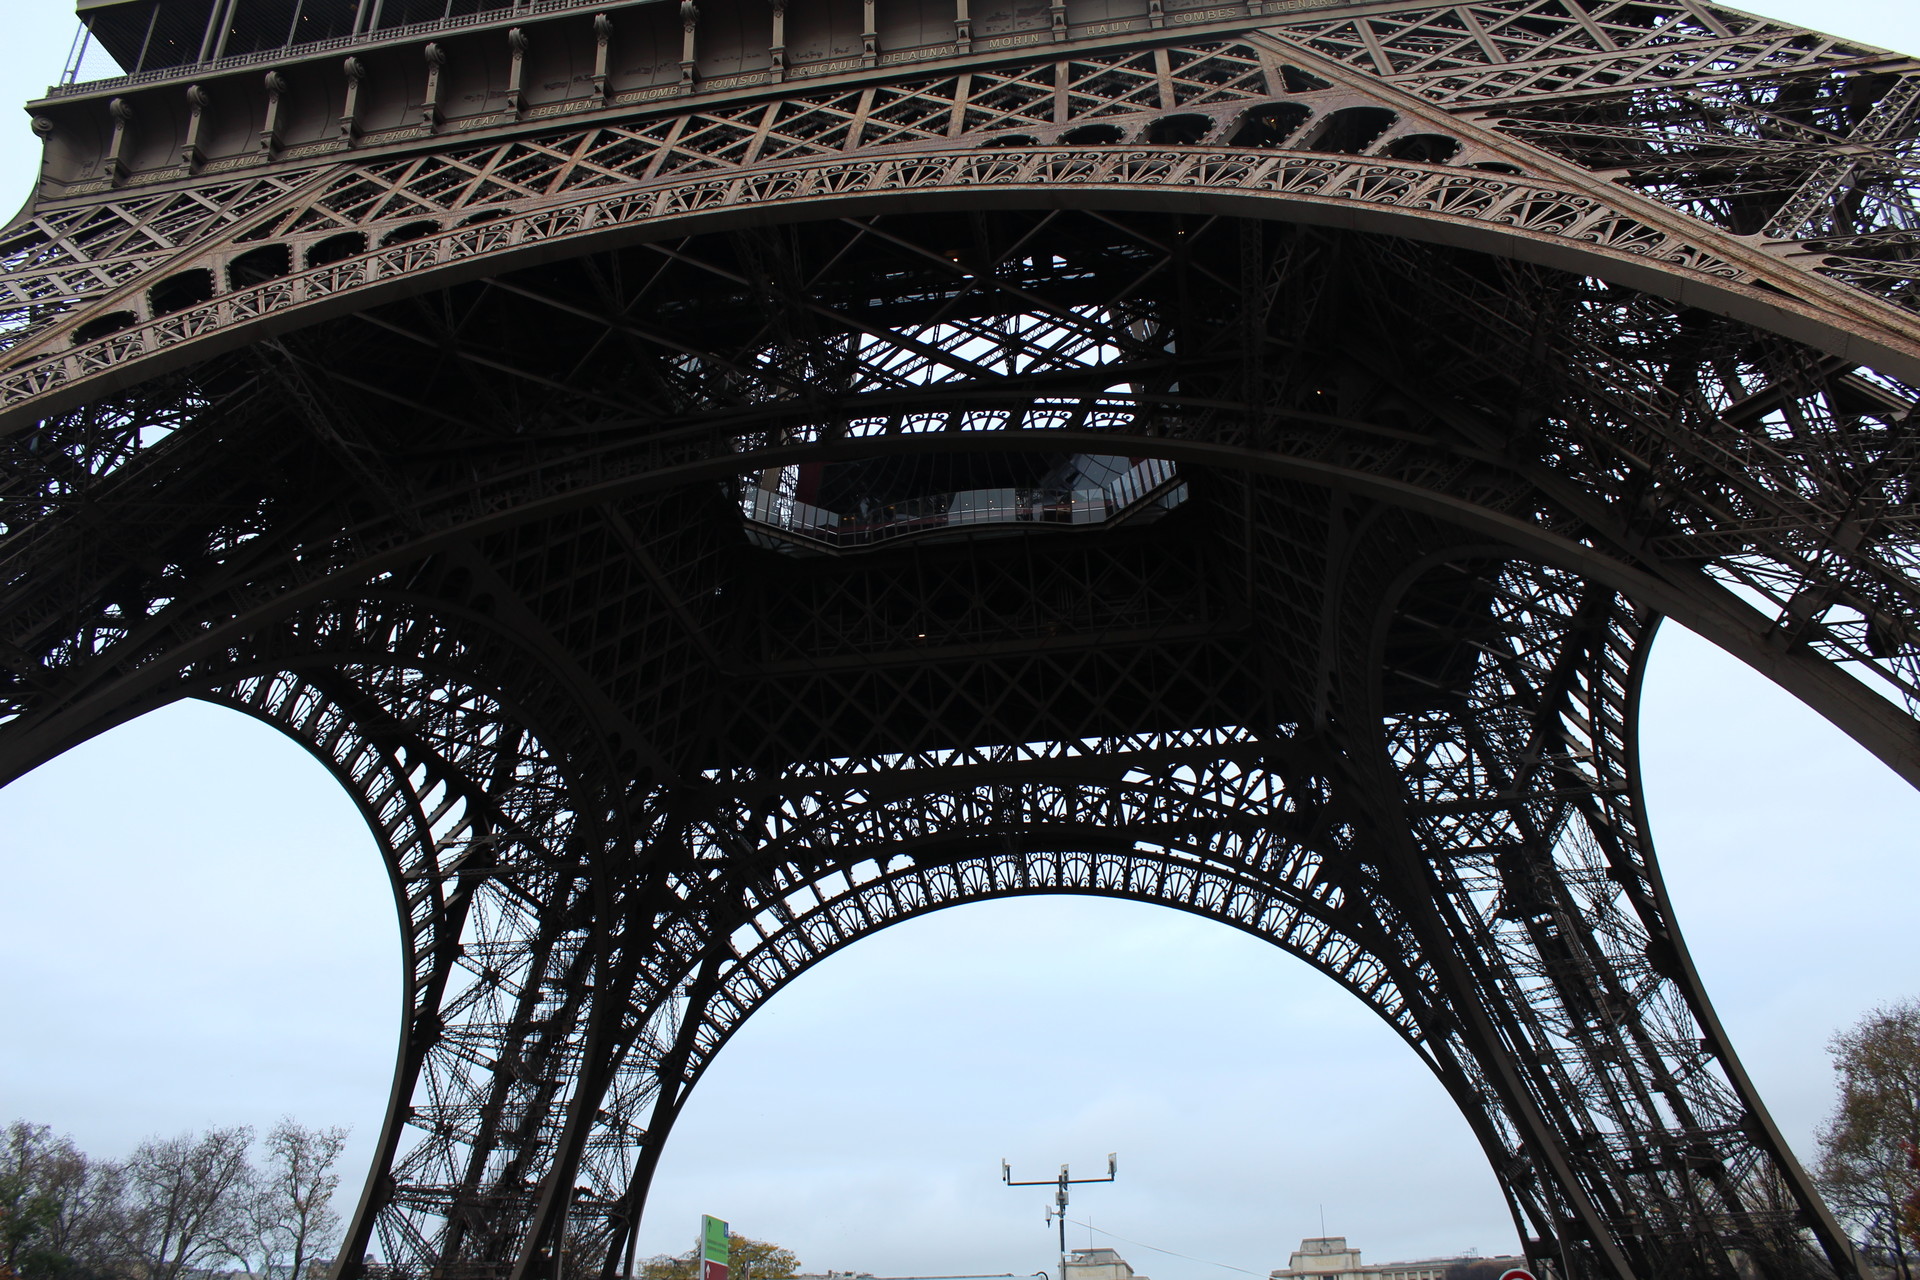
712	480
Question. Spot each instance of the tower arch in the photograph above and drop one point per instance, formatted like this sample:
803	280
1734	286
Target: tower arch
881	457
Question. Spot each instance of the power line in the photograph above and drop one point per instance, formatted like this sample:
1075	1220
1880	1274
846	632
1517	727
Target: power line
1170	1253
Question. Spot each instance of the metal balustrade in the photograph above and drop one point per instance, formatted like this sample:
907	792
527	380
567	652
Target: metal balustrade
505	12
1147	481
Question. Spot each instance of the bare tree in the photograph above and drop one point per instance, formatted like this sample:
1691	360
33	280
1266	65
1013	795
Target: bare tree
294	1196
184	1198
242	1235
1868	1167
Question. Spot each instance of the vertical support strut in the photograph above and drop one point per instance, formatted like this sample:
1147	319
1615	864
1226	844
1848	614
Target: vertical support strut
1515	797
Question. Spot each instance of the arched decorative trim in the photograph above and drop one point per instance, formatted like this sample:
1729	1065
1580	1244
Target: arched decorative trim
1530	219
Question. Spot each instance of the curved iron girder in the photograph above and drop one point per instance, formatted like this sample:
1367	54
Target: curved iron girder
561	1178
717	159
1849	554
1496	483
1642	1038
481	830
901	843
1622	559
1568	228
745	942
492	846
1563	648
1521	804
864	886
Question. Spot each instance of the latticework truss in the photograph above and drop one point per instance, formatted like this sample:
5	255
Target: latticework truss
1229	458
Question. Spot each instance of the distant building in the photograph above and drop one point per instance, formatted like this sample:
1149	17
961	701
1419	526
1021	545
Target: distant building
868	1275
1082	1264
1099	1264
1330	1258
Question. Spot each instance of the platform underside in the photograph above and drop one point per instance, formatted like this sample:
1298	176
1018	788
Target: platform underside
702	536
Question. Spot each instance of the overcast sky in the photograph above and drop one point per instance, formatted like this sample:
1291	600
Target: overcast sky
194	930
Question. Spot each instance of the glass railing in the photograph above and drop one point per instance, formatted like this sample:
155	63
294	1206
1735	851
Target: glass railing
1152	480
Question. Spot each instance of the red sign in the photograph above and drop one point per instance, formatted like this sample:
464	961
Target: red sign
710	1270
1517	1273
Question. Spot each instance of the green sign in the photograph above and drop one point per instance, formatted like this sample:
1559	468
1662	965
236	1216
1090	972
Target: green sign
713	1240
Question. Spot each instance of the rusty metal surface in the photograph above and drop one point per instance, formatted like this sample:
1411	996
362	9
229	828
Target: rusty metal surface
452	413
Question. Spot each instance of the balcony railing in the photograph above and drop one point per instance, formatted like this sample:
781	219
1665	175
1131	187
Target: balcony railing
1148	481
503	12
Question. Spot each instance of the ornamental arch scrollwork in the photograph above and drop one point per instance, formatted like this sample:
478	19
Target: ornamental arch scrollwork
1236	460
494	845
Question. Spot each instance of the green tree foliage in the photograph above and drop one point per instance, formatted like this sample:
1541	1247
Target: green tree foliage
26	1221
747	1259
61	1215
1869	1164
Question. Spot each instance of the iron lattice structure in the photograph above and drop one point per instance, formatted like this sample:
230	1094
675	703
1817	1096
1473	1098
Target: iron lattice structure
715	481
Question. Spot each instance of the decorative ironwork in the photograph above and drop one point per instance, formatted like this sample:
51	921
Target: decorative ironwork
712	507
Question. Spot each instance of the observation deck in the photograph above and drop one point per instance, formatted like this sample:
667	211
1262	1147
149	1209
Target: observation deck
1083	492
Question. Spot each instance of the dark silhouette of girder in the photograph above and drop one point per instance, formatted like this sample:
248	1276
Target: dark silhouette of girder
628	454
